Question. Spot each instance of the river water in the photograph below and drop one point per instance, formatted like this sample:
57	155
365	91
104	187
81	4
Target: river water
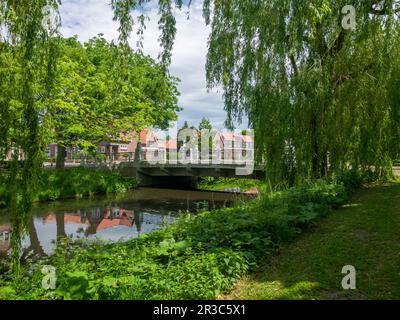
111	218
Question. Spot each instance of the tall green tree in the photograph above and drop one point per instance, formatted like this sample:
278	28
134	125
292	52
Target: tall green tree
320	97
103	91
205	124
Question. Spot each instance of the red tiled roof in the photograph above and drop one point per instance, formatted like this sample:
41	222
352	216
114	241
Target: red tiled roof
143	136
247	139
108	223
111	223
147	134
228	136
171	144
73	218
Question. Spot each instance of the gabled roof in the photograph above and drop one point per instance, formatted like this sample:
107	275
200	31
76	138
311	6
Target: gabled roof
230	136
123	220
147	134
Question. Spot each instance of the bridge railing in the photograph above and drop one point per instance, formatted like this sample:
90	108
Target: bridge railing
145	157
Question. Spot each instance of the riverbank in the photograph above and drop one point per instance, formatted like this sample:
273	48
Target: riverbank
364	233
74	183
225	184
198	257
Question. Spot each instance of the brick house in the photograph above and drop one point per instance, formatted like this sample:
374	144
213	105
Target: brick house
230	146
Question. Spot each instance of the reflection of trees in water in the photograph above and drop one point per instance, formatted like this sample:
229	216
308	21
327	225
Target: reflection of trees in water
139	218
95	217
90	218
60	222
19	221
35	250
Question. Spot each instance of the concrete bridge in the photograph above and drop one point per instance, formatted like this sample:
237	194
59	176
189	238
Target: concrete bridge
174	175
184	175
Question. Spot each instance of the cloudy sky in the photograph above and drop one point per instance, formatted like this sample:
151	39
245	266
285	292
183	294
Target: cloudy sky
87	18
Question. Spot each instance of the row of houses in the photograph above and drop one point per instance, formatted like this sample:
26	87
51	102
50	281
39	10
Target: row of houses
149	145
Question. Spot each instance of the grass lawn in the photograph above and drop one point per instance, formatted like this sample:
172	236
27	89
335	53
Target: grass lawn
365	233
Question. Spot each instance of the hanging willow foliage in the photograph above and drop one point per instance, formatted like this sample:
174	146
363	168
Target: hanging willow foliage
167	23
321	98
26	49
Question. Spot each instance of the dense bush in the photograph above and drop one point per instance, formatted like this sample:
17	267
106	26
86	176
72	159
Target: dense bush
220	184
197	257
77	182
354	179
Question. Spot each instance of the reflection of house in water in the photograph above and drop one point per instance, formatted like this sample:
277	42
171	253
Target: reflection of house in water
97	219
115	217
5	237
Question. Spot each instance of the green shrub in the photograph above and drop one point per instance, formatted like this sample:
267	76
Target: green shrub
220	184
79	182
49	195
7	293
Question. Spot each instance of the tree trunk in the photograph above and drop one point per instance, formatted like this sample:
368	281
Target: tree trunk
320	159
316	168
61	154
324	167
34	239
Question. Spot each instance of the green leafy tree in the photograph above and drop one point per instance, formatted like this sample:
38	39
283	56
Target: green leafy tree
205	124
319	96
103	91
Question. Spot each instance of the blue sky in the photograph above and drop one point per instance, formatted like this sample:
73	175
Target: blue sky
87	18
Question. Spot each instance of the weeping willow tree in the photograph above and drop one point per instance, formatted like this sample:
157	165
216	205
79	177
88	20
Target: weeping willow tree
26	49
321	97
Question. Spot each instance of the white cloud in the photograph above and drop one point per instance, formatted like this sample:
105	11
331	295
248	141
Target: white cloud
87	18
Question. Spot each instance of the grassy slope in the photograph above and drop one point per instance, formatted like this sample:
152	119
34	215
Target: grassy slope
365	234
224	183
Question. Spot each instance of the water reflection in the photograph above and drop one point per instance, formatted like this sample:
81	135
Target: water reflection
108	218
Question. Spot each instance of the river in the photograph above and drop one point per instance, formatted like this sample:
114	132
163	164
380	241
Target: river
111	218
